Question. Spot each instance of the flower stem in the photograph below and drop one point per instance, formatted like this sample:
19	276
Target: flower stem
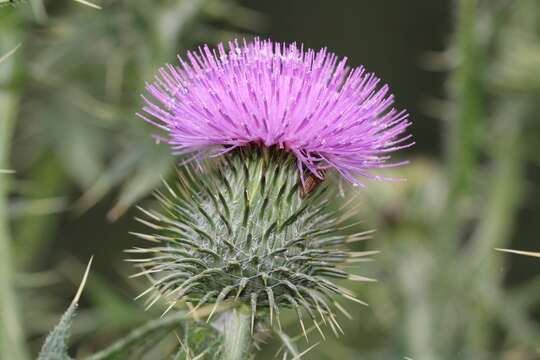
236	333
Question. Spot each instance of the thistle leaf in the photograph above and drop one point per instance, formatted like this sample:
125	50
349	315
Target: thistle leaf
55	346
145	334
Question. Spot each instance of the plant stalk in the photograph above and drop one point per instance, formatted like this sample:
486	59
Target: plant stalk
12	345
236	333
462	143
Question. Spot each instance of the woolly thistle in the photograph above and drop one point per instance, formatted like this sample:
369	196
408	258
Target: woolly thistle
254	227
244	232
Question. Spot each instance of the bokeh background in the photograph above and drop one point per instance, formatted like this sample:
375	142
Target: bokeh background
468	71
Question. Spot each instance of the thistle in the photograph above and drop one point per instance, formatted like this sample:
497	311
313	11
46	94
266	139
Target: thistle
254	227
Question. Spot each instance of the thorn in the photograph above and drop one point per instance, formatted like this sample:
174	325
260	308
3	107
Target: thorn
147	213
333	327
333	318
184	348
253	310
89	4
297	357
365	235
152	302
360	278
144	237
144	293
303	329
354	261
138	250
139	260
213	310
83	281
270	294
520	252
344	290
222	295
145	272
352	298
278	321
363	253
147	223
319	329
319	309
168	187
168	308
241	287
343	311
203	301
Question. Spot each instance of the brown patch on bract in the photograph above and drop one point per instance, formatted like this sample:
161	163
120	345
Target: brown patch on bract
312	182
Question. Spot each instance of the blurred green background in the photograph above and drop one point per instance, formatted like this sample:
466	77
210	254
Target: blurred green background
468	71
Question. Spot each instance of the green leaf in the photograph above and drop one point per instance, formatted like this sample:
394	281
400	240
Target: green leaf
55	346
143	335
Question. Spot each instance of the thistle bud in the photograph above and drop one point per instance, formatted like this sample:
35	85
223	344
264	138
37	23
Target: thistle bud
241	231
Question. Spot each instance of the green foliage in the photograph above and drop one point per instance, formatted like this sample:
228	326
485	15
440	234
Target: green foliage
56	344
200	339
439	267
140	339
11	2
69	94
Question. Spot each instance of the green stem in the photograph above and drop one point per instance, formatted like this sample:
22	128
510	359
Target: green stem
12	344
499	215
462	147
507	174
236	333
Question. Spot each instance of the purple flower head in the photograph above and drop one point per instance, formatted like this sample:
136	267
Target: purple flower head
307	102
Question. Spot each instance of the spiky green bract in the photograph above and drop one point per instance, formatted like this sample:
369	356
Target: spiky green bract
242	231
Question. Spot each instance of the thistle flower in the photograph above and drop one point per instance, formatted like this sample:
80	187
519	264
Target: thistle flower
249	228
306	102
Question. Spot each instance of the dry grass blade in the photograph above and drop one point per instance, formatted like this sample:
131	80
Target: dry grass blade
520	252
88	3
7	171
11	52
